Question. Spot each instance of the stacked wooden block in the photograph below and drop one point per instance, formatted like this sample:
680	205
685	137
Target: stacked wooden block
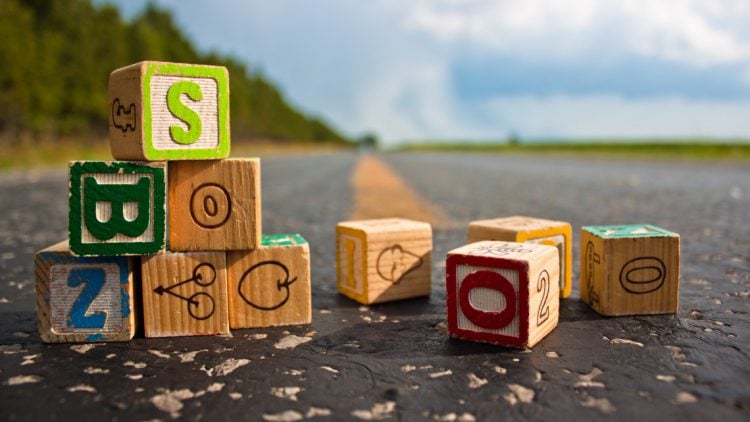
172	222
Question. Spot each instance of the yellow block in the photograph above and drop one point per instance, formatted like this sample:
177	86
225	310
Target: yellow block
532	230
351	263
383	260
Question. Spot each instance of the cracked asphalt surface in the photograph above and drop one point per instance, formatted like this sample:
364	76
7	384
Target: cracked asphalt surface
394	361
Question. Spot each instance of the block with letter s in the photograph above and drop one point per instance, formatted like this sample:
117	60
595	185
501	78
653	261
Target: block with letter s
169	111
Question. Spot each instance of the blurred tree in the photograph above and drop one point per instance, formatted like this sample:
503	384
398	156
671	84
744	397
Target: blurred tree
54	71
368	141
16	24
513	139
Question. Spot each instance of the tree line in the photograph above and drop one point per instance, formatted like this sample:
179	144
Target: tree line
56	57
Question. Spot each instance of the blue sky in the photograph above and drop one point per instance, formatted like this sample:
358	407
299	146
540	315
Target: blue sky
480	70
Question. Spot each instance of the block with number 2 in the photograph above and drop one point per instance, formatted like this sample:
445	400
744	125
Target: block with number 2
503	293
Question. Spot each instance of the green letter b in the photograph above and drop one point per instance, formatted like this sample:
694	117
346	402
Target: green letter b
117	196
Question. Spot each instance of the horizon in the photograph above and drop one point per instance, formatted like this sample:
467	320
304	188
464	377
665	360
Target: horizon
467	70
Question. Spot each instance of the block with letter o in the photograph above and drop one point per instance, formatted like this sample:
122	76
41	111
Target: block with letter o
214	205
504	293
630	269
169	111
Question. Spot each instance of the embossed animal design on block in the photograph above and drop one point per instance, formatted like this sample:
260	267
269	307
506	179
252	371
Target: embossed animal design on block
383	260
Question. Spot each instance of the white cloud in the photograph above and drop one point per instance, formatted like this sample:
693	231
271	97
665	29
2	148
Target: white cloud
693	32
608	116
412	100
680	31
386	65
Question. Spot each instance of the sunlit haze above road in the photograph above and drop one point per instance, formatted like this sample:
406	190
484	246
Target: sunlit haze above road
481	70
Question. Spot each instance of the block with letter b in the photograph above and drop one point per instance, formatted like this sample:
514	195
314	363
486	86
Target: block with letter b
185	294
384	260
169	111
503	293
214	205
534	230
83	299
270	286
116	208
630	269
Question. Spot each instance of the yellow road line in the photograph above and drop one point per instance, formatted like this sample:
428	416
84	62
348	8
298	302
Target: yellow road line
380	193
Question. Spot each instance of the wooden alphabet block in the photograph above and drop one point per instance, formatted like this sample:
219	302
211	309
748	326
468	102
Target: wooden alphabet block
214	205
270	286
116	208
630	269
169	111
384	260
83	299
185	294
502	292
535	230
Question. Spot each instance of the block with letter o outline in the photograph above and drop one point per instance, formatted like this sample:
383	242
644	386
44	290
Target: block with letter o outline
487	323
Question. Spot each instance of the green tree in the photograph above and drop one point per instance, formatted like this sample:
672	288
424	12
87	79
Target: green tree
53	74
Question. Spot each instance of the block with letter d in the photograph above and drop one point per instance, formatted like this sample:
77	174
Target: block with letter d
169	111
83	299
116	208
503	293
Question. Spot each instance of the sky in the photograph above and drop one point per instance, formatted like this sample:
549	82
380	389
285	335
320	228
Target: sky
467	70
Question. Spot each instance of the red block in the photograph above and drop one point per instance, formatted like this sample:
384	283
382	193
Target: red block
503	293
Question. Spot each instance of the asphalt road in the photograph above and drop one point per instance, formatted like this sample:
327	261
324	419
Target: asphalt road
395	360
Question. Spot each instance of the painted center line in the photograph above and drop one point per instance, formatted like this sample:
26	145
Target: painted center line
379	192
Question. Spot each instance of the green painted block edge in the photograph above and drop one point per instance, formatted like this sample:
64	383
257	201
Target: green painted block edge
218	73
284	239
76	169
624	231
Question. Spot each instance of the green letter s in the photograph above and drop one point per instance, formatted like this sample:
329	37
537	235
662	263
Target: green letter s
183	112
